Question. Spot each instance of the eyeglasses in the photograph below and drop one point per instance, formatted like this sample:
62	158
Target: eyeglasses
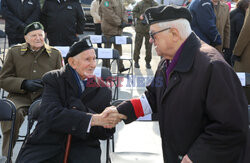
152	34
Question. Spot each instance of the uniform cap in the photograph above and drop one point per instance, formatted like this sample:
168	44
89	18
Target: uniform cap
166	13
33	26
78	47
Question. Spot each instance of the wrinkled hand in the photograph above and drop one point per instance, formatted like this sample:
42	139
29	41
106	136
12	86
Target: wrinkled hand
32	85
186	159
109	118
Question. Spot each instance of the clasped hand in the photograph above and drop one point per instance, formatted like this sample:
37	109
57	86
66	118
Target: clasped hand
109	118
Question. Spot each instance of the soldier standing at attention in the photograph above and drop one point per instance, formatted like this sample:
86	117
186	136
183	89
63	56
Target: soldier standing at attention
21	75
142	30
113	19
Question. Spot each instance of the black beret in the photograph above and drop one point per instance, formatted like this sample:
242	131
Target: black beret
166	13
33	26
78	47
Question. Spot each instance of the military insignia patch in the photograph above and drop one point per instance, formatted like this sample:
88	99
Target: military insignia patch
106	3
36	26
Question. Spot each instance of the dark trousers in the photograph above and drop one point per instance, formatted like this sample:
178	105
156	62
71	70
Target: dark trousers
138	44
106	62
98	31
14	41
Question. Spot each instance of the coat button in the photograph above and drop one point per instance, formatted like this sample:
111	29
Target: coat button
35	61
73	128
34	71
73	107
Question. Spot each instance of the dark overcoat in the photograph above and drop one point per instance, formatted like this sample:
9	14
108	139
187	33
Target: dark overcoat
236	22
18	15
62	21
64	111
203	110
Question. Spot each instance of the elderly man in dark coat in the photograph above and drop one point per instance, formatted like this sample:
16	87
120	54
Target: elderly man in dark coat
199	99
71	101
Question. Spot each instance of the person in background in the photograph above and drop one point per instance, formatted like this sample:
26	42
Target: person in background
21	75
18	14
63	21
113	19
241	52
94	11
198	97
237	17
142	30
223	26
204	21
72	103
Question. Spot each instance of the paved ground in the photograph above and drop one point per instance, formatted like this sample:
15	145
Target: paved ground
139	136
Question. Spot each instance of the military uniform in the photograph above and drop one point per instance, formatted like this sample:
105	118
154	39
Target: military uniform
142	30
113	14
22	63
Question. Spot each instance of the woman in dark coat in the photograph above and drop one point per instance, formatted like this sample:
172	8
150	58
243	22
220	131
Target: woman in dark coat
236	22
69	106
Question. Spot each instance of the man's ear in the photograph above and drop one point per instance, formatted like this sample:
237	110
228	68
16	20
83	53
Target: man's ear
26	38
176	34
71	62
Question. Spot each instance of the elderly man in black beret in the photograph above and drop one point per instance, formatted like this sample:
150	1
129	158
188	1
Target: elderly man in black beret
72	103
199	100
21	75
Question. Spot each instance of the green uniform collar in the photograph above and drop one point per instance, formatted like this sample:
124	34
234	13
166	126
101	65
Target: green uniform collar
25	47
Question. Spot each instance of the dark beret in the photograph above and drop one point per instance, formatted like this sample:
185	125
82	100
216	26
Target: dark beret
78	47
166	13
33	26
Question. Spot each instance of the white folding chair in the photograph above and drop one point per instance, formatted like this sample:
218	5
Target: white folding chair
125	40
109	53
98	39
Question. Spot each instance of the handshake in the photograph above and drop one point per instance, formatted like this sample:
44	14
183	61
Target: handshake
109	118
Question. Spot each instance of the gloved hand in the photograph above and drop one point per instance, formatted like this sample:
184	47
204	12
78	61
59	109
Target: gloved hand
32	85
123	25
235	58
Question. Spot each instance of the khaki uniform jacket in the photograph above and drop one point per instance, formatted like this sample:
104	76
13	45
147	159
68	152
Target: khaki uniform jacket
223	25
21	63
113	14
138	10
242	47
94	11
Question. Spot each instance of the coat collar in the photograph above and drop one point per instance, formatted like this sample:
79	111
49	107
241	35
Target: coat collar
188	53
25	47
184	63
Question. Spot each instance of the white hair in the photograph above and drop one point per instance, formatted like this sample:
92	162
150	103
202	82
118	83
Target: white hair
182	25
